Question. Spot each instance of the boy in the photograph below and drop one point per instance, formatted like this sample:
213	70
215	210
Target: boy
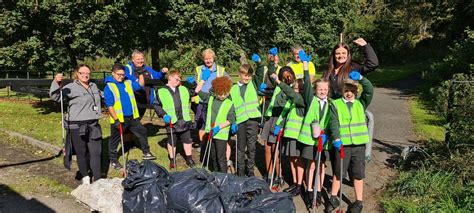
247	110
221	114
173	104
348	128
123	110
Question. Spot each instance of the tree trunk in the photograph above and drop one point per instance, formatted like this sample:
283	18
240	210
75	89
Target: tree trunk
155	58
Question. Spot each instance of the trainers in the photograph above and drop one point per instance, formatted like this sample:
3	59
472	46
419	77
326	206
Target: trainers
86	180
148	156
333	203
116	165
190	162
319	199
296	191
229	163
309	199
356	207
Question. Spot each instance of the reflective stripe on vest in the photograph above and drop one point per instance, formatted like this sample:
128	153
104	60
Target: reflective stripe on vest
306	134
168	103
220	72
293	121
353	127
220	118
118	105
248	107
272	102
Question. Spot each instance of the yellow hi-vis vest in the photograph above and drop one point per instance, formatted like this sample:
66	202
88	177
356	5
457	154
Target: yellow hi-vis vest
220	72
169	106
298	69
277	91
118	105
352	126
306	134
293	121
248	106
220	118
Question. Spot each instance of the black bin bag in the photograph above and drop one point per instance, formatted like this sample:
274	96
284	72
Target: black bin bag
144	186
272	202
193	190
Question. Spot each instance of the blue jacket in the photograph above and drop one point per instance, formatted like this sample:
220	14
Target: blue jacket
124	98
153	73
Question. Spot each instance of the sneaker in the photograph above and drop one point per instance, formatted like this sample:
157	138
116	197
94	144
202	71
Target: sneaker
319	199
356	207
296	191
309	199
86	180
229	163
190	162
116	165
148	156
333	203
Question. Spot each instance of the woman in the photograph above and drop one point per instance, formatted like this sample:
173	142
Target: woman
84	132
341	63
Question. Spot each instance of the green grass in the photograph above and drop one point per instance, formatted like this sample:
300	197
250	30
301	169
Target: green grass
40	184
427	126
387	74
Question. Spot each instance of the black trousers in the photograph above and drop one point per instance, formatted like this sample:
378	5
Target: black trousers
218	151
136	128
84	145
246	142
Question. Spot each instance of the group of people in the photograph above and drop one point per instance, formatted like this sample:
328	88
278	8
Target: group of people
286	106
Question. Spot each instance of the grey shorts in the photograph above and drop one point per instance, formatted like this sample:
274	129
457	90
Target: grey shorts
309	152
353	162
267	132
290	147
180	137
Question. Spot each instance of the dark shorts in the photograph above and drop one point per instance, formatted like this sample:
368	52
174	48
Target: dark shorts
309	152
290	147
267	132
180	137
353	162
200	116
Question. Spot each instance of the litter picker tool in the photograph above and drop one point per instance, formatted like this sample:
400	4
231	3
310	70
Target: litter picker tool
236	150
275	157
207	152
173	145
124	171
341	156
62	120
316	176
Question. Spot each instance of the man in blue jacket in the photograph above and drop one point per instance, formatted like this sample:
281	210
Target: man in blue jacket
123	110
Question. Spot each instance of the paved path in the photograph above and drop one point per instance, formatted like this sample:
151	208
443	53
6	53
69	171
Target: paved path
392	133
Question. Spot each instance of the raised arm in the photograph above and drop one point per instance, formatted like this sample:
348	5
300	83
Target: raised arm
371	62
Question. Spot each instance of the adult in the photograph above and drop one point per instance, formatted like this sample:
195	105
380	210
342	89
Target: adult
297	65
146	96
123	111
83	129
199	105
341	63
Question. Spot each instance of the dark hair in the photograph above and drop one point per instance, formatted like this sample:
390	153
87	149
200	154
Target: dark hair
332	65
118	66
289	70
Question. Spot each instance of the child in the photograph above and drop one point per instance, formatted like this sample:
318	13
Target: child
317	116
348	128
221	114
245	99
291	119
172	104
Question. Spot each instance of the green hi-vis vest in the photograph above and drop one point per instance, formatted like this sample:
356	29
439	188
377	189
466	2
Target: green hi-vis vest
220	118
118	105
220	72
277	91
353	127
293	121
248	106
306	134
169	106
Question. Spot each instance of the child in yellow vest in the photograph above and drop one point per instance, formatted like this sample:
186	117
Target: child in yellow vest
349	130
247	110
219	121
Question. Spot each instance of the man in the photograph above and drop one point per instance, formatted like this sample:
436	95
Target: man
122	106
297	65
145	96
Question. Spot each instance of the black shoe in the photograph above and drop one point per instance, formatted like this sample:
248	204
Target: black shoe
356	207
296	191
190	162
319	199
309	199
290	188
333	203
148	156
116	165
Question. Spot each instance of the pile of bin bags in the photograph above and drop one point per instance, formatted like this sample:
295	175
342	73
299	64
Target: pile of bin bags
150	188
